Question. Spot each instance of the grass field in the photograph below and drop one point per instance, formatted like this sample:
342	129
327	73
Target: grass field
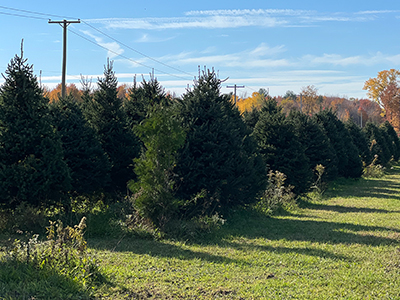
345	245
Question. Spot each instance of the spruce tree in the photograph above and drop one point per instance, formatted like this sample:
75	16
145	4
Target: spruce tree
377	143
31	157
219	159
317	145
142	98
360	141
349	161
86	159
393	139
281	148
105	114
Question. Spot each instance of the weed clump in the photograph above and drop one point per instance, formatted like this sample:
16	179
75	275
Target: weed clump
374	169
63	255
277	196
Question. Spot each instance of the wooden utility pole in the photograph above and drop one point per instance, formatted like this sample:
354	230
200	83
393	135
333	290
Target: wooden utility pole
64	24
234	88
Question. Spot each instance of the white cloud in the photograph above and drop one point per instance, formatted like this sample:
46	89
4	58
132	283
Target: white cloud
113	48
212	19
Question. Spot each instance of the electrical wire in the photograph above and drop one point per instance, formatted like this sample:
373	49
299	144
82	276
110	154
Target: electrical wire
127	46
125	57
18	15
103	33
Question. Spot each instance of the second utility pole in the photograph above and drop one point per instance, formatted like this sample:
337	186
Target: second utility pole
235	87
64	25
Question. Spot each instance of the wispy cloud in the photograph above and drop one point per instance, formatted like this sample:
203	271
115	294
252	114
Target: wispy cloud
114	49
212	19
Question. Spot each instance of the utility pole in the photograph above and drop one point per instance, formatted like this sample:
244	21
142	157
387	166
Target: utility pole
64	24
234	88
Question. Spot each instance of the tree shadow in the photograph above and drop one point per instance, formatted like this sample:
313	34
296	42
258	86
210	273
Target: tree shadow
343	209
254	225
377	188
250	224
24	281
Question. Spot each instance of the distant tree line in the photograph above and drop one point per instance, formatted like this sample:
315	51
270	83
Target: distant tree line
188	157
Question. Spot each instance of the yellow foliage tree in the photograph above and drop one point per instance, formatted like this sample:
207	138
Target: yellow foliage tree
310	100
254	101
375	86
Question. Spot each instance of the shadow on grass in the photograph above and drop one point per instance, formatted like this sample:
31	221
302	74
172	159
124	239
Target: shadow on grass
343	209
251	224
23	281
365	188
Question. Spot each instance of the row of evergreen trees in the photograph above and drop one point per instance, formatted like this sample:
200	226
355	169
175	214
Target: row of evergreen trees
191	156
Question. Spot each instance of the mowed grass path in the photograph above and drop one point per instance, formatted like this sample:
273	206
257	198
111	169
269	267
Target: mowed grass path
344	246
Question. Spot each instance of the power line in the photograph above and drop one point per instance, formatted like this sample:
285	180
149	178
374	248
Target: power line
125	57
18	15
127	46
103	33
34	12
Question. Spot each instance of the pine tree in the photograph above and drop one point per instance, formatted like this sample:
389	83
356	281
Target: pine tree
86	159
281	148
162	135
393	139
360	141
377	143
317	146
349	161
31	157
219	157
142	98
105	114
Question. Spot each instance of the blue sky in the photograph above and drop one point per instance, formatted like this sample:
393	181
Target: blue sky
277	45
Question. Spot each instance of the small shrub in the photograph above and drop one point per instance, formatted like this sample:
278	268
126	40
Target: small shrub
277	196
374	170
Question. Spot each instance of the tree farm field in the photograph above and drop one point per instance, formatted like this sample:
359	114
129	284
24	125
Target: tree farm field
343	245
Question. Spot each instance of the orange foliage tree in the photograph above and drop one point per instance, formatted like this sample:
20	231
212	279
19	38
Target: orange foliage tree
71	89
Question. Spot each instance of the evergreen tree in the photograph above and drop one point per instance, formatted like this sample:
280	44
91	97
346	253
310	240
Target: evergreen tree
349	161
251	118
317	146
219	157
86	159
105	114
31	158
377	143
281	148
142	98
359	140
393	139
162	135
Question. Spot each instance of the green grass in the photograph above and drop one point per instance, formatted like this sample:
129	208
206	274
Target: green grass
345	245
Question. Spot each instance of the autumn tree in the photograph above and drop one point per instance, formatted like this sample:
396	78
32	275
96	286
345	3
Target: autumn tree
375	86
311	102
254	101
384	90
71	89
390	98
